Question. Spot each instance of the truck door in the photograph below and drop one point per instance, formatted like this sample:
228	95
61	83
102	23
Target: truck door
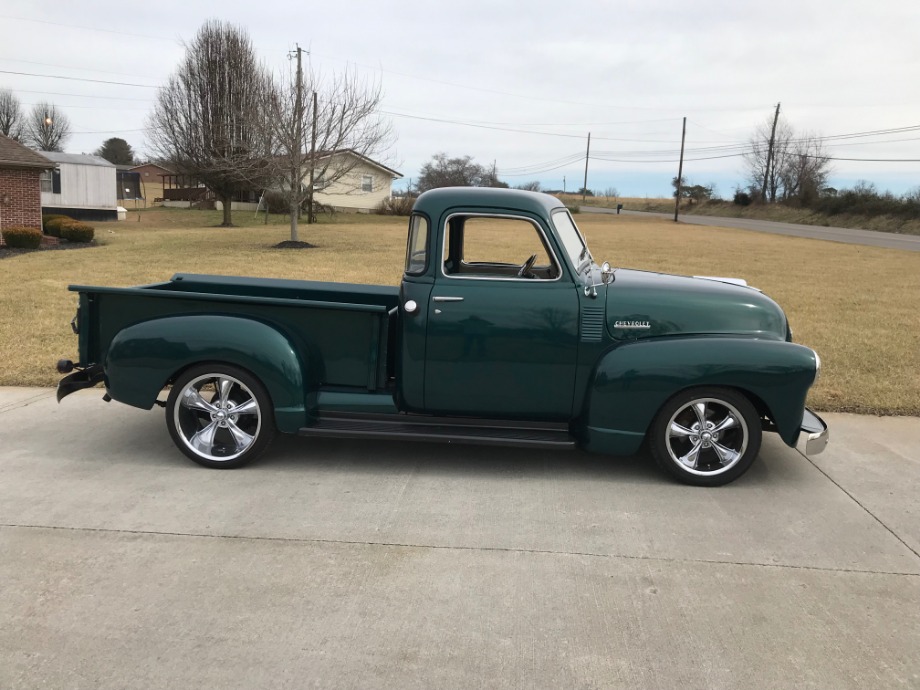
502	322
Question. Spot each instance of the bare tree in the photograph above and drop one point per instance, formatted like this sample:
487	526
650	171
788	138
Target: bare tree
210	120
47	128
757	156
805	170
442	171
530	186
11	117
799	167
320	132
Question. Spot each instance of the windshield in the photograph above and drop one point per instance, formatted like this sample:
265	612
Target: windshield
572	241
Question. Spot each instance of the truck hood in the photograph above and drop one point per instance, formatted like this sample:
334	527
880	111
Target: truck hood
642	304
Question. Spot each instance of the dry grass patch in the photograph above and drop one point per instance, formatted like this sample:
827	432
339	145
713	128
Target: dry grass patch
773	212
855	305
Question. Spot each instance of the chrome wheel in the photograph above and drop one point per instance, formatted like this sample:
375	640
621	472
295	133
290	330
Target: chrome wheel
707	436
216	417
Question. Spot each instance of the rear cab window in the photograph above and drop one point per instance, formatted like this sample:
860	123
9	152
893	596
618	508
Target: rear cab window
417	245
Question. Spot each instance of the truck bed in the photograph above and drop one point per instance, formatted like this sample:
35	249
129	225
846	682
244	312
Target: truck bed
346	330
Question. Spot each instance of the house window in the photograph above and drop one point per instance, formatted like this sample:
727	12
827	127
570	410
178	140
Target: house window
319	180
367	183
46	180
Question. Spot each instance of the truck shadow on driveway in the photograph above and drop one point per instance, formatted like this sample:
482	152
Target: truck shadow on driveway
294	454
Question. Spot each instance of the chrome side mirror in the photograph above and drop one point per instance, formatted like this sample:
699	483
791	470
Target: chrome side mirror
606	273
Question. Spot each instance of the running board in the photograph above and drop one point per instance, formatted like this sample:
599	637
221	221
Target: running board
443	430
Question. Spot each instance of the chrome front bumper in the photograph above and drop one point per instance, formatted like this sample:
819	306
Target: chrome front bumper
814	434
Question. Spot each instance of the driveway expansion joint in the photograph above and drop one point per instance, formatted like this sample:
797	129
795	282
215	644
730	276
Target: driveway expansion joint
868	512
26	401
484	549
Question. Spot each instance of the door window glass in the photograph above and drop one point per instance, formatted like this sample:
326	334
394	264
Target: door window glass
496	247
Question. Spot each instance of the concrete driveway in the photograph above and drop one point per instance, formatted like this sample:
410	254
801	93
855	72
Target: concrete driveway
360	565
871	238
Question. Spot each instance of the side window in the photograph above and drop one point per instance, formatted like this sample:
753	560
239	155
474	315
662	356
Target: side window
496	247
367	183
45	178
417	246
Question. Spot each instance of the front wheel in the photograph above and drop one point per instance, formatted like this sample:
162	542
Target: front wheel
219	415
706	436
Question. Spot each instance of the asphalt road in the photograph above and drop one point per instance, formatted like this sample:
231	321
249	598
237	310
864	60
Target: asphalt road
345	564
870	238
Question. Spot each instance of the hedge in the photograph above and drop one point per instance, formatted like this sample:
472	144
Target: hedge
75	231
22	238
53	225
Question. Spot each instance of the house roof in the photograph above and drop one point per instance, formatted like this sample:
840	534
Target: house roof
152	165
15	155
365	159
77	159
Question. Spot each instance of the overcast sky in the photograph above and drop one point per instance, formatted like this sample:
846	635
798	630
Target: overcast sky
522	83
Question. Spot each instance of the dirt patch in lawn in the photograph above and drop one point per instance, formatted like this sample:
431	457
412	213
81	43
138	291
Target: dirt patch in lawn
292	244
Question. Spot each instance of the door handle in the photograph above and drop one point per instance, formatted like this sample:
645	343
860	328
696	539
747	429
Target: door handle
444	298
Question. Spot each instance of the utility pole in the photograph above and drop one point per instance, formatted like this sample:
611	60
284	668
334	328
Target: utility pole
584	189
766	174
296	160
312	163
563	184
680	170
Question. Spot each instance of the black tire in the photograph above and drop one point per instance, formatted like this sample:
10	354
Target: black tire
715	452
227	433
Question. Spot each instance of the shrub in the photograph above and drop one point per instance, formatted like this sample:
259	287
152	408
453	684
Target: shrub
276	202
53	226
75	231
574	209
22	238
742	198
51	216
395	206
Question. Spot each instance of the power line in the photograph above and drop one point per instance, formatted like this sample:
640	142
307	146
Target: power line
80	95
88	28
79	69
93	81
865	160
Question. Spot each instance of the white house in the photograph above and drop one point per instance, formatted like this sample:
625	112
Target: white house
81	186
365	185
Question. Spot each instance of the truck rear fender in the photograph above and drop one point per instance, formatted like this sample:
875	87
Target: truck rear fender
632	381
145	357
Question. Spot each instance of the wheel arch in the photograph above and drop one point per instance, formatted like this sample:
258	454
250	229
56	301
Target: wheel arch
145	357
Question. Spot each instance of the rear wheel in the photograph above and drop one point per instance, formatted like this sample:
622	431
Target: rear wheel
706	436
219	415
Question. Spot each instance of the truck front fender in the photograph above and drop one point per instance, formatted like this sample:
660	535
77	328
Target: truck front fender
632	381
144	357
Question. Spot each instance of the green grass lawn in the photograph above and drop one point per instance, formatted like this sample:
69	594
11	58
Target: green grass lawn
857	306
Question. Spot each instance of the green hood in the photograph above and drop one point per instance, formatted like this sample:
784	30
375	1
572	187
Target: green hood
641	304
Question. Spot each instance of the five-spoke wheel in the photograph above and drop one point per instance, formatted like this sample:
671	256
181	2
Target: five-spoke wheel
219	415
706	436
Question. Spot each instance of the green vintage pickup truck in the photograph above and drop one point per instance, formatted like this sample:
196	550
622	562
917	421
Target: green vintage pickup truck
504	331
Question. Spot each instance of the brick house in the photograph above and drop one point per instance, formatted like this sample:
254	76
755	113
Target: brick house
20	186
151	177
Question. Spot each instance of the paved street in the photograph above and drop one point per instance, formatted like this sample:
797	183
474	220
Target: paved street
870	238
362	565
